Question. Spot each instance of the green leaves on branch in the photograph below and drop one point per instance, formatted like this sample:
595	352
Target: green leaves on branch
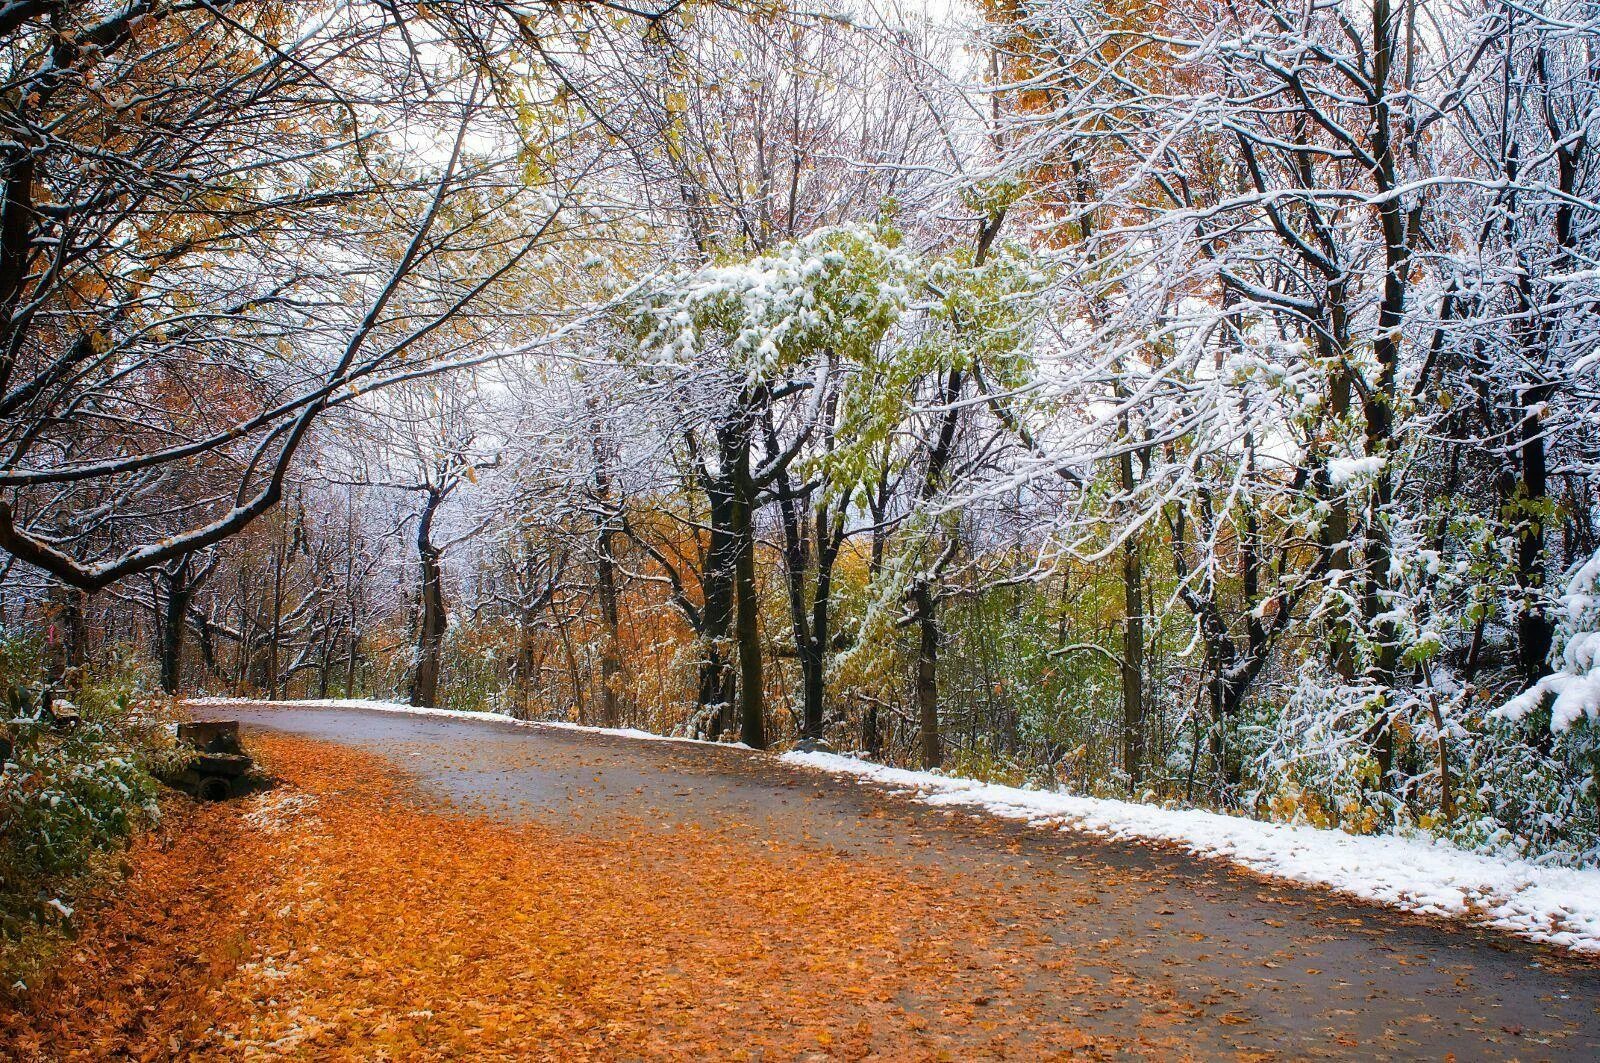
836	291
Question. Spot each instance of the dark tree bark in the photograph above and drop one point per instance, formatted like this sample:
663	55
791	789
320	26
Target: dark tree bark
811	624
1132	664
1571	150
71	635
179	593
605	566
747	624
203	640
927	681
280	561
605	573
1379	396
923	599
717	684
434	617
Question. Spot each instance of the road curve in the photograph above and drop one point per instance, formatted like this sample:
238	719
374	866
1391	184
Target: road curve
1244	967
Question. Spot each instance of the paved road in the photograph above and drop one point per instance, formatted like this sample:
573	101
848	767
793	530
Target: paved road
1290	972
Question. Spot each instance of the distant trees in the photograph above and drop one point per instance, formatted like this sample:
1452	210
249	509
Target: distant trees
426	444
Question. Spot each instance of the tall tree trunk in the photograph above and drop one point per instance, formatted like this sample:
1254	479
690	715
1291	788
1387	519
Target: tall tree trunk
279	561
796	560
811	625
605	571
178	596
1336	529
1132	666
574	673
1132	670
927	682
71	635
814	664
351	658
610	640
352	637
525	661
434	617
924	600
1378	404
325	661
752	720
204	643
716	685
878	506
1535	628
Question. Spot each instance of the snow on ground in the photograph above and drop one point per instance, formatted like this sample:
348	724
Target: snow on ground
1550	904
453	714
1557	905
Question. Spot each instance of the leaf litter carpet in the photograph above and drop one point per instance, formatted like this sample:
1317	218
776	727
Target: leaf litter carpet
342	916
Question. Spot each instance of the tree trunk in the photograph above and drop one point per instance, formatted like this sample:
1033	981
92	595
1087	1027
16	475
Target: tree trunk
796	560
1336	529
1535	630
352	637
814	661
525	661
1132	670
716	584
179	594
924	601
434	617
71	636
927	686
351	657
605	571
752	721
811	626
325	662
203	642
1132	666
279	560
1378	404
610	640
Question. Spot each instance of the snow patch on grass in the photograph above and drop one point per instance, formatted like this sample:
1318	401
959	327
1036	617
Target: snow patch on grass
1560	906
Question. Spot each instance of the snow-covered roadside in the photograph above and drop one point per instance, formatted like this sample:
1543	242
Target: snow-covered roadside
1560	906
452	714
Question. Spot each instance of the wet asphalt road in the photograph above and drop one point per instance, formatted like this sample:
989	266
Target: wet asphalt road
1292	972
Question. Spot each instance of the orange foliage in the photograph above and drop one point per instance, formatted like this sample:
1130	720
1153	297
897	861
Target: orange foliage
1068	181
338	917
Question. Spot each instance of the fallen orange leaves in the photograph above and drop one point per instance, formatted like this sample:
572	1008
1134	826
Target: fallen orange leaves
337	916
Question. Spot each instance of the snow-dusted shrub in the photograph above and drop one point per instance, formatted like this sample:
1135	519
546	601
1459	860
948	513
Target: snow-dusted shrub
1531	799
69	792
1571	693
1555	777
1016	713
1312	759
